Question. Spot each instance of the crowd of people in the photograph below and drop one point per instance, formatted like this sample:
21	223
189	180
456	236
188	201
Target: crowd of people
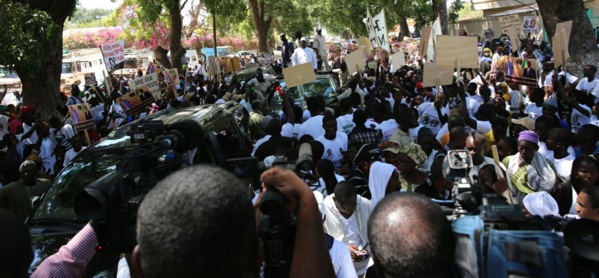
377	156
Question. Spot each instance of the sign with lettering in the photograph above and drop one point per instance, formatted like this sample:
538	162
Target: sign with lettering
113	53
377	30
81	115
510	20
150	81
90	79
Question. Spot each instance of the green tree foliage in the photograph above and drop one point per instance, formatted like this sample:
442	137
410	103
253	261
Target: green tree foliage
22	27
83	18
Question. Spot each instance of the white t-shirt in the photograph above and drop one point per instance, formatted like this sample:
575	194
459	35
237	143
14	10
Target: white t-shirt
258	143
549	154
472	105
483	126
333	149
291	130
69	155
312	127
578	119
564	166
32	138
370	123
388	127
589	87
322	187
345	123
341	260
533	110
429	117
65	133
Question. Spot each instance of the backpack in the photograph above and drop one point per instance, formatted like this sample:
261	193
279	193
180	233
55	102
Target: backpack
506	253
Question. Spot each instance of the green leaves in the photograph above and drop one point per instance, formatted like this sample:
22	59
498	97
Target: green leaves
23	29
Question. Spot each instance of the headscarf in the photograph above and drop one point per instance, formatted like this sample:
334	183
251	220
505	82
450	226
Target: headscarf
541	204
529	136
380	173
415	152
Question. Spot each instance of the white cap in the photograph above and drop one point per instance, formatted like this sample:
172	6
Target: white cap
303	39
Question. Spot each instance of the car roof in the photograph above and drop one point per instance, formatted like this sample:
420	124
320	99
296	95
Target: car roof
208	116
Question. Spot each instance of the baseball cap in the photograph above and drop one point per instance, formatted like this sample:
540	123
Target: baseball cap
303	39
390	146
419	85
527	122
282	34
318	28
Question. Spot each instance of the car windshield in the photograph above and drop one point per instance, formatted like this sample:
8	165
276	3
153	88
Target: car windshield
5	73
67	67
323	86
90	165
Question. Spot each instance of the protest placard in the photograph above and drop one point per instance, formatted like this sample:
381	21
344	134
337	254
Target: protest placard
232	64
432	41
364	44
560	49
508	21
300	74
530	25
377	30
520	71
514	39
425	34
457	52
355	59
113	53
136	101
150	81
213	65
171	76
90	79
81	115
567	28
437	75
398	60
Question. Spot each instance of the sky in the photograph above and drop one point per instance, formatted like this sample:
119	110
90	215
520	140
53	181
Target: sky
100	4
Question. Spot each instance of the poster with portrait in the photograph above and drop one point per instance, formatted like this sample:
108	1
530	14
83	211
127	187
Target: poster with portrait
521	71
171	76
81	115
136	101
530	25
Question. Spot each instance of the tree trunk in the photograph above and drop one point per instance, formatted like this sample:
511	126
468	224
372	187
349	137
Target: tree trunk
161	56
403	28
259	24
43	90
443	15
177	50
582	47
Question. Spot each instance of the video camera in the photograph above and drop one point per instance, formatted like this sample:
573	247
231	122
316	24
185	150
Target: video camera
113	200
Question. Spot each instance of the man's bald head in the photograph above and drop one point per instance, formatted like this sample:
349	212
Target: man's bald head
457	137
410	237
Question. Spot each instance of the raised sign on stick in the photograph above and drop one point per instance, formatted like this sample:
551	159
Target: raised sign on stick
299	75
457	52
355	60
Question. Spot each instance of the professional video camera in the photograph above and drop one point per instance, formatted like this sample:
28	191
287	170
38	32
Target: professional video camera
478	197
112	201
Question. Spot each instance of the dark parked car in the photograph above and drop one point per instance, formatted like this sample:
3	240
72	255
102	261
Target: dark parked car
325	85
55	222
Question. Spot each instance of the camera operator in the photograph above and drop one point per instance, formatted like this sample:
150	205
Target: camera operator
410	237
206	208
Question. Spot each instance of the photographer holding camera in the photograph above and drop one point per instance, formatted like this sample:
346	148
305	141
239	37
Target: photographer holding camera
192	222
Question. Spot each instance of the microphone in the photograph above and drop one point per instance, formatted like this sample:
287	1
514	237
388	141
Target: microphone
184	135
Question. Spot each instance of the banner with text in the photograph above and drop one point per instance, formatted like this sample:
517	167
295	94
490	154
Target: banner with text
510	20
377	30
113	53
148	84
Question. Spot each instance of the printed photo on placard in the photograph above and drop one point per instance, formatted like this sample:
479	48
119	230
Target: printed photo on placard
521	71
81	115
128	101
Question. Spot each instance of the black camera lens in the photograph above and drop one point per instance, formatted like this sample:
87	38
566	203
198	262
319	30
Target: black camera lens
273	203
